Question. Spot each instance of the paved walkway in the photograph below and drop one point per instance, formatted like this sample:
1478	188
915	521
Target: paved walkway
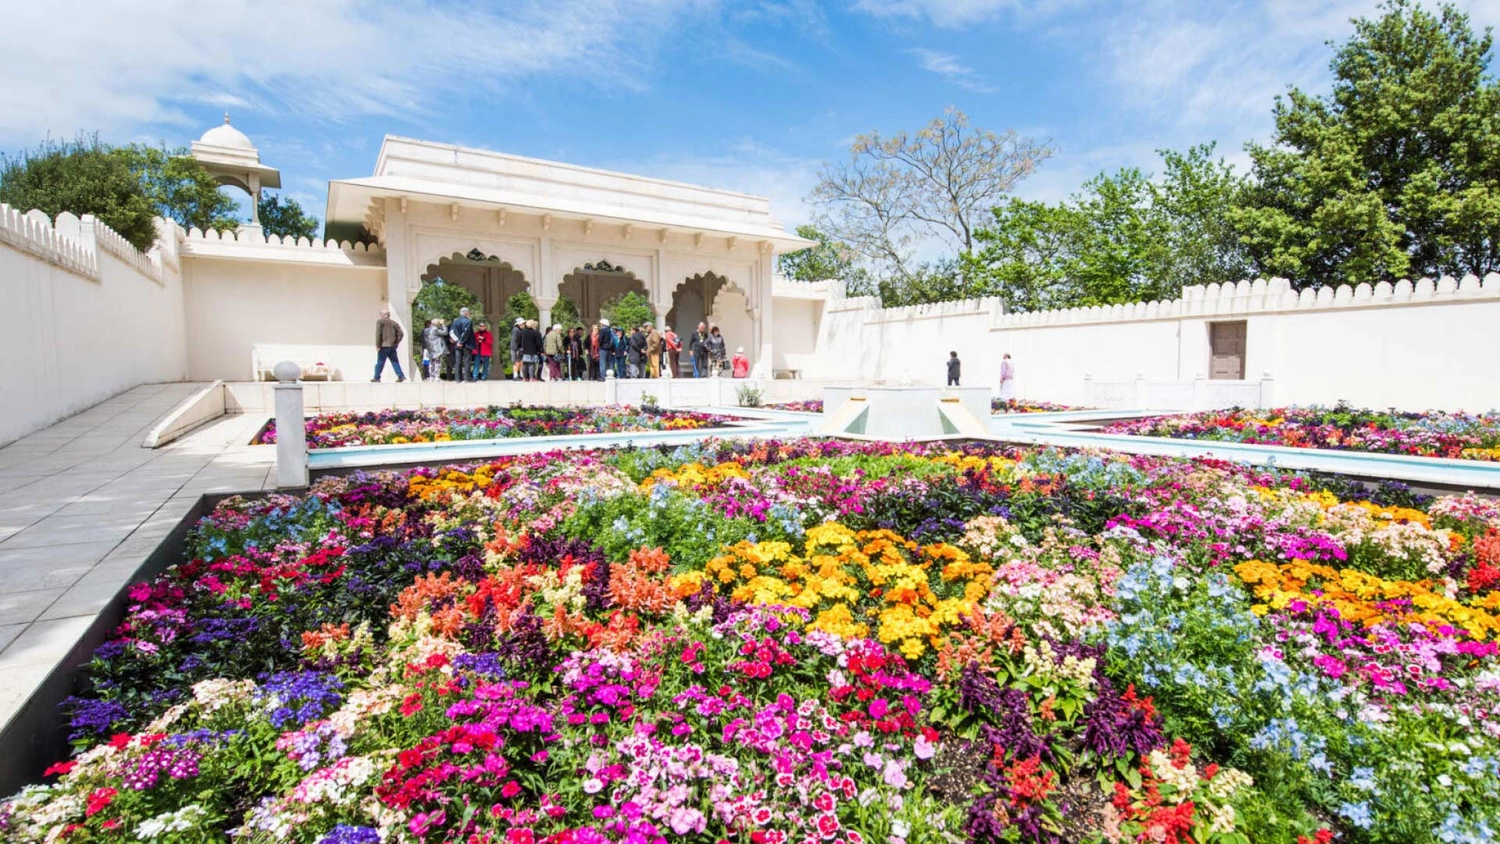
82	505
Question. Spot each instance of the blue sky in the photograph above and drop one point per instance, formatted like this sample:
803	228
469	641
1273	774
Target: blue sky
750	95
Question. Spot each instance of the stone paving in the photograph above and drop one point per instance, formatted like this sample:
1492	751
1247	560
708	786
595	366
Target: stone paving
82	505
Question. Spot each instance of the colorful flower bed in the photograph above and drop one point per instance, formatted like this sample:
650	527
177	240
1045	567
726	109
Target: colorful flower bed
802	641
808	406
1464	436
1030	406
391	427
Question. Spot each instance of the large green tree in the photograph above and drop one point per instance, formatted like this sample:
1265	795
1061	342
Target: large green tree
828	259
1397	171
284	217
81	177
125	187
627	310
1124	237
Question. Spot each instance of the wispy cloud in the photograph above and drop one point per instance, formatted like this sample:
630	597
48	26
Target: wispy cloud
112	68
956	13
948	65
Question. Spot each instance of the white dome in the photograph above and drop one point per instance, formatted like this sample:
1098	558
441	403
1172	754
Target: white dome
226	136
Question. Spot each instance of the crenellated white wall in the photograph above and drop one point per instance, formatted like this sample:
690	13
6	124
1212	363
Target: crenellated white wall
1428	344
86	316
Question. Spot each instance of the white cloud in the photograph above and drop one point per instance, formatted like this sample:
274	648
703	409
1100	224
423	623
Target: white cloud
956	13
116	66
750	167
948	65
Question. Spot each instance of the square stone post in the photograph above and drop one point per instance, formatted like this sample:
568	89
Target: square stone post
291	428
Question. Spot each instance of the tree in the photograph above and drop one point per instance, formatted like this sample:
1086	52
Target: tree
1397	171
627	310
520	305
440	300
829	259
81	177
285	218
1121	238
179	188
565	313
940	183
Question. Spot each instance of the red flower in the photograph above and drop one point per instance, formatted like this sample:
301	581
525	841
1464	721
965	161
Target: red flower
510	789
60	768
98	799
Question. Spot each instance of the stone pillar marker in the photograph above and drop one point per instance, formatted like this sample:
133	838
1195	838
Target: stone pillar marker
291	429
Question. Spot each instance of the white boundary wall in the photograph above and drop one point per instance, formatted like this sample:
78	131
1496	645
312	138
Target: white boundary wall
1428	344
86	316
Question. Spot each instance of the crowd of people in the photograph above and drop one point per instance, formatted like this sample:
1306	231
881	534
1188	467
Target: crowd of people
464	349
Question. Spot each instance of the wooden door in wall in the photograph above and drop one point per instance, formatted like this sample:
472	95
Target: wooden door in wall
1226	341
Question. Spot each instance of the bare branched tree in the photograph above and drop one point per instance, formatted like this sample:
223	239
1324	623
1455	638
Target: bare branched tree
941	183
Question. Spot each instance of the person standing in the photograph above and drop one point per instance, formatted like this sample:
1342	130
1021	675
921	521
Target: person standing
593	344
484	348
436	346
635	354
619	344
698	350
740	364
953	367
552	349
531	351
1007	383
575	353
388	336
653	353
673	345
716	351
461	334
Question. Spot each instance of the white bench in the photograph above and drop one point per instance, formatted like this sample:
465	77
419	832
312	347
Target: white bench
312	360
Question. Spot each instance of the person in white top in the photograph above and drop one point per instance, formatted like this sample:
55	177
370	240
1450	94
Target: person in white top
1007	382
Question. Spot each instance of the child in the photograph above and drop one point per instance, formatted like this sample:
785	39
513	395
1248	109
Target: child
953	365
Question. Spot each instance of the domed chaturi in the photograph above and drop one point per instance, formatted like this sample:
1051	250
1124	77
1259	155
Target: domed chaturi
229	156
227	136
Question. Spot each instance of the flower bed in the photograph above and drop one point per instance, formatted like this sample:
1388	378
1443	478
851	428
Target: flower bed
808	406
802	642
392	427
1029	406
1462	436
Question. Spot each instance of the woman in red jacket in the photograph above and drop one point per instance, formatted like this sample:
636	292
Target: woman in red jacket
484	344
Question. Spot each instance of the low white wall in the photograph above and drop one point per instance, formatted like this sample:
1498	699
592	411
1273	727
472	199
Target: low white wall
1429	344
323	312
200	408
86	316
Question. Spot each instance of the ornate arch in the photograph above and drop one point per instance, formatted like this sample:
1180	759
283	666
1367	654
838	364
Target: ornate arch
489	278
593	283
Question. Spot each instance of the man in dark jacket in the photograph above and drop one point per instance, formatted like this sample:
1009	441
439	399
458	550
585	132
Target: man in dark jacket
515	349
698	351
388	336
531	351
461	332
635	354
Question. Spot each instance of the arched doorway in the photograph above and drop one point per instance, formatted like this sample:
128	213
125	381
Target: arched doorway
593	284
491	280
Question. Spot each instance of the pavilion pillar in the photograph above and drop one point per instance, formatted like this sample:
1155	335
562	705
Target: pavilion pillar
401	284
760	317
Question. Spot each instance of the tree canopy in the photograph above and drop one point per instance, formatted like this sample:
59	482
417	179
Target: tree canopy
125	187
1122	238
940	182
284	217
627	310
520	305
1397	171
440	300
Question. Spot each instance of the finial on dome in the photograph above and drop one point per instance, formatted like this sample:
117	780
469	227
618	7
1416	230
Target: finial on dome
226	118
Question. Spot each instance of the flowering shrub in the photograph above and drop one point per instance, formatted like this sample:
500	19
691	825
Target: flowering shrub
390	427
1463	436
793	642
1030	406
807	406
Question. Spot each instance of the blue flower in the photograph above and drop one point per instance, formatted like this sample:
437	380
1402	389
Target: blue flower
1363	779
1358	814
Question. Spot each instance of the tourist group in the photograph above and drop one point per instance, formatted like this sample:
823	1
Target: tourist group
463	349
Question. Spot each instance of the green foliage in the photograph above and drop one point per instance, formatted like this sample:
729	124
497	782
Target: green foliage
679	524
81	177
1395	173
179	188
628	310
829	259
520	306
125	187
440	300
286	218
565	313
749	395
1122	238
